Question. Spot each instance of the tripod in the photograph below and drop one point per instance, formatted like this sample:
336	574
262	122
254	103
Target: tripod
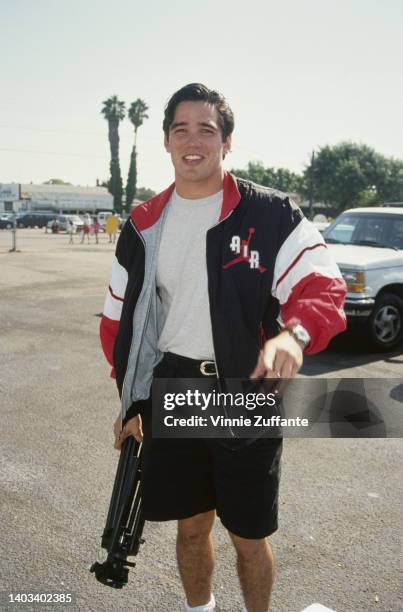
125	522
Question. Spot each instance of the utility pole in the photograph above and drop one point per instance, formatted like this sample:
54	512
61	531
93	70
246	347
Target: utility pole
311	187
14	232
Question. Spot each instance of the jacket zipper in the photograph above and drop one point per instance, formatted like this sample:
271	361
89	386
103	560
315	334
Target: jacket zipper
210	228
212	330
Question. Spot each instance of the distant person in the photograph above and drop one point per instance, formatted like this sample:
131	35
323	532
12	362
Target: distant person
70	230
55	226
86	228
96	226
111	227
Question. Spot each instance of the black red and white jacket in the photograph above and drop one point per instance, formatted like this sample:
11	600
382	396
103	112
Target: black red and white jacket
264	259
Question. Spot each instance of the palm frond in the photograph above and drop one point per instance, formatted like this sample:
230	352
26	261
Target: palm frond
113	109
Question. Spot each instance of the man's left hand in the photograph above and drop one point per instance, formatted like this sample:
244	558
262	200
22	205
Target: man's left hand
281	357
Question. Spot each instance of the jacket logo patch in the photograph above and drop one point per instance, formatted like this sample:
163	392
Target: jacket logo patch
241	247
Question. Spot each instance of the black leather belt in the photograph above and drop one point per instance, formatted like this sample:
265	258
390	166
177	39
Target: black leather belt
206	367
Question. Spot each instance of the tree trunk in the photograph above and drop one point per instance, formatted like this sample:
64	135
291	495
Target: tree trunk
115	185
114	139
131	180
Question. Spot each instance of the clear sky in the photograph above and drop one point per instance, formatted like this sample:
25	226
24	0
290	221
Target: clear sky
298	74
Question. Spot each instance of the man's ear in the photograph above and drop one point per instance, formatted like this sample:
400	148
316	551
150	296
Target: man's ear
227	145
166	144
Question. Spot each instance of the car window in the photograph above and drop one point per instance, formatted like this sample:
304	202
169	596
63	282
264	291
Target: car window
362	229
395	237
371	230
341	231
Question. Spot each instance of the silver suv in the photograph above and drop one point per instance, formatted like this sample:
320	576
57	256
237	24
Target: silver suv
368	246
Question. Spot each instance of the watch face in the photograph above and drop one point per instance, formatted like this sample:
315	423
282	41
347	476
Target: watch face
301	334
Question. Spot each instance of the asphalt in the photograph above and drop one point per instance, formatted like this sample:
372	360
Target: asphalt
340	507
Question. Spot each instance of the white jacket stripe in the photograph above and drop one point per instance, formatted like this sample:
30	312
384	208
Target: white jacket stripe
304	252
117	288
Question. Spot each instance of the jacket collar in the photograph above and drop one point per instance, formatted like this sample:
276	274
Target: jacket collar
148	213
231	196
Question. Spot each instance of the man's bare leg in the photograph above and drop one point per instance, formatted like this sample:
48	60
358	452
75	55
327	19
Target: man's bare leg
256	571
195	553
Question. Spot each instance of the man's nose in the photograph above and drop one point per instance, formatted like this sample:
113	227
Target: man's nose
193	139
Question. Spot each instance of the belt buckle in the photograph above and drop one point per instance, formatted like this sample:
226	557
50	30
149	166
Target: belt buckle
203	370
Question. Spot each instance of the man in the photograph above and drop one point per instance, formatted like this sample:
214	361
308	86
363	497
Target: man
70	230
86	228
202	275
111	227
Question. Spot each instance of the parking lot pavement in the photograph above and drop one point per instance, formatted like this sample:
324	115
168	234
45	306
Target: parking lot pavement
339	507
351	355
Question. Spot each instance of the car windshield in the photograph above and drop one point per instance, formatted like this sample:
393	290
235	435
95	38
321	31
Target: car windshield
384	231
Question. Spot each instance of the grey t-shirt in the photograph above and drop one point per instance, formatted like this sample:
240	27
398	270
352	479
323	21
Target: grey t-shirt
182	276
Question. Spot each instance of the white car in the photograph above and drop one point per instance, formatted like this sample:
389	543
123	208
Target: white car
77	223
102	219
367	244
321	225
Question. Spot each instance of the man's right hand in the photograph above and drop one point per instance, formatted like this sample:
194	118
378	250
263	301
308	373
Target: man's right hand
133	427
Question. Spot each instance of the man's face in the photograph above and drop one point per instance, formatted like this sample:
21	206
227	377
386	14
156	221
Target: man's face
195	143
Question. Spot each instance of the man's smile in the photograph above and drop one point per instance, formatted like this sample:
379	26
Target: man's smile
192	159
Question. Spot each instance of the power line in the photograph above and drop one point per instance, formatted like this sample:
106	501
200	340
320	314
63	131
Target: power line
144	161
57	130
64	131
54	153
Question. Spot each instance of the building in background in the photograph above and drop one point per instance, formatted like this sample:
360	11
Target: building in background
10	196
65	199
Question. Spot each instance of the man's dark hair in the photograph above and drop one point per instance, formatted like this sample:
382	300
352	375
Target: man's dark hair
196	92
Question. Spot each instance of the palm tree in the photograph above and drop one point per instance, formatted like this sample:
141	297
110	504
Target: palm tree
137	114
114	111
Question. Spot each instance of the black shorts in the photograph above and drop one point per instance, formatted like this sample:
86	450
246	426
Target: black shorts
185	477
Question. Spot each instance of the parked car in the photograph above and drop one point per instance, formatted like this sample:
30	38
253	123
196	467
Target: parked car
102	219
321	225
63	220
6	220
35	218
104	216
368	246
77	222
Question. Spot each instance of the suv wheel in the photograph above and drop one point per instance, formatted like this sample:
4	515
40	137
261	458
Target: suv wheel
386	322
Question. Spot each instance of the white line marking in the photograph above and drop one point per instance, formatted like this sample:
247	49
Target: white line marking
317	607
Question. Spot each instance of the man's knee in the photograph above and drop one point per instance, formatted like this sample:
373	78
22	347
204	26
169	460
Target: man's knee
196	527
249	550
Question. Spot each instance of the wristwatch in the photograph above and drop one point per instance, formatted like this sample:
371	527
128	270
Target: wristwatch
300	334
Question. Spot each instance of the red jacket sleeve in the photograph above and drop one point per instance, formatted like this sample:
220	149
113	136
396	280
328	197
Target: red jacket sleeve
112	311
316	303
309	286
